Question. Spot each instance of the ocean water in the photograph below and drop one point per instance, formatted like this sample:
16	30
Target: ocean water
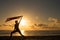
31	33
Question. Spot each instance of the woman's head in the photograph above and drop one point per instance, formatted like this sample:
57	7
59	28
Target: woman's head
16	21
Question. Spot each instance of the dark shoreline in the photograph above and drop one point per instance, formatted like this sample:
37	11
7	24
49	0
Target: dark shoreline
56	37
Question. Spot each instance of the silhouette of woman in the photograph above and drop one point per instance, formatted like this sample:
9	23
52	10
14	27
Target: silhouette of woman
16	28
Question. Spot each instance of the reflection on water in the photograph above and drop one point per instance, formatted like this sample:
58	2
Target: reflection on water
31	33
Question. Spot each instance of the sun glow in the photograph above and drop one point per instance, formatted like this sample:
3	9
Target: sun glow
24	22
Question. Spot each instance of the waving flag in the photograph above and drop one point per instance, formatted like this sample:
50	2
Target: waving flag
12	18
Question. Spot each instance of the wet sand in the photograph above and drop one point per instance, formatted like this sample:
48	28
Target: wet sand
56	37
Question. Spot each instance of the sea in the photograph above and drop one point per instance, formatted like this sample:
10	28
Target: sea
31	33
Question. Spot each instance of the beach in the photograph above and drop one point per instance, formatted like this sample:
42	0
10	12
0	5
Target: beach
56	37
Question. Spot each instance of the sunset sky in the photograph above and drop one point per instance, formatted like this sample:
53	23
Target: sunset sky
46	12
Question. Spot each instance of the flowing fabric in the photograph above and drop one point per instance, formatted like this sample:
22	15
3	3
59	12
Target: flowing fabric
12	18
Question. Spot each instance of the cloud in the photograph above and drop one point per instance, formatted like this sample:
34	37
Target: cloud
2	25
53	22
51	19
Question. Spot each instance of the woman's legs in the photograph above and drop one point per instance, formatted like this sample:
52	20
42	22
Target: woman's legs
12	32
